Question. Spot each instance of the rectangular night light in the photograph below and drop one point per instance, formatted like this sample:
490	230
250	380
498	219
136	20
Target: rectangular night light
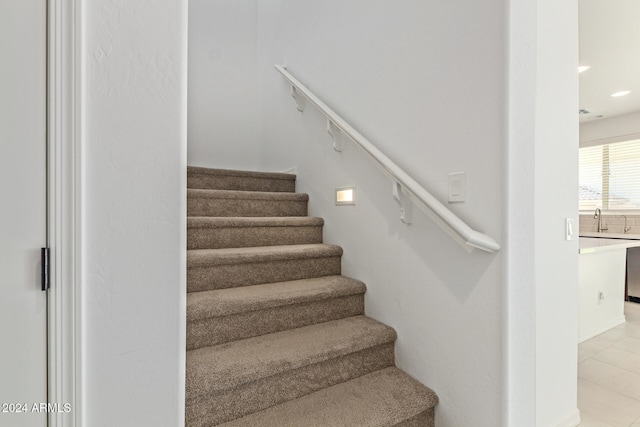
346	195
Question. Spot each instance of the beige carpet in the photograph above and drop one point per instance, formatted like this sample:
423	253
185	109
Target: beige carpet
276	336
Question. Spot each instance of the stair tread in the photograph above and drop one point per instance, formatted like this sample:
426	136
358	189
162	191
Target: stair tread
282	339
207	257
220	222
246	195
382	398
224	366
240	173
225	302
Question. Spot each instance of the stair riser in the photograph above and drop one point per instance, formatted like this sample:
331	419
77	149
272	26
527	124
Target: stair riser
233	275
243	237
222	182
218	330
258	395
290	353
245	207
423	419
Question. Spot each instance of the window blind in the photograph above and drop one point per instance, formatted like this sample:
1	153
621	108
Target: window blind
610	176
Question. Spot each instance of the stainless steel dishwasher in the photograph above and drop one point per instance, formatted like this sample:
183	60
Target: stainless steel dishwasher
633	274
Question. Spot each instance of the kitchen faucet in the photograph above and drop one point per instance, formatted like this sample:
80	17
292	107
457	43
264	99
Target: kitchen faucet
601	225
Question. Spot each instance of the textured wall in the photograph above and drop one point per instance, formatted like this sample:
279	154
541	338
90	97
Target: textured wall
425	81
556	189
133	245
487	88
223	94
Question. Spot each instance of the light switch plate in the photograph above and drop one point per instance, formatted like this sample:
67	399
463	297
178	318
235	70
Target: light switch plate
568	229
457	187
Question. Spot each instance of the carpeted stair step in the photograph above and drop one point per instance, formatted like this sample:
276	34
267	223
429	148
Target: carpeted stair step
245	203
235	379
387	397
236	232
209	269
225	179
219	316
275	335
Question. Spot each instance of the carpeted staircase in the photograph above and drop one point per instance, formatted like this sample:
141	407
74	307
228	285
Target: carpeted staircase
276	336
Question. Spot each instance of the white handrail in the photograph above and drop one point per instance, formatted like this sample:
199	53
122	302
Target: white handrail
405	188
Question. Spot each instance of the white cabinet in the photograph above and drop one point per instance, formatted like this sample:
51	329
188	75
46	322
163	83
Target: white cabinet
601	291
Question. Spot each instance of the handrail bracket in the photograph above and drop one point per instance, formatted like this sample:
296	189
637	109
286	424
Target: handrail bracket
300	100
404	201
335	134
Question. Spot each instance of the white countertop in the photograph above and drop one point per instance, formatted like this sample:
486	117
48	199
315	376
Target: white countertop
590	245
610	235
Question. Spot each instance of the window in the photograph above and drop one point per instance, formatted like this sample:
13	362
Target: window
610	176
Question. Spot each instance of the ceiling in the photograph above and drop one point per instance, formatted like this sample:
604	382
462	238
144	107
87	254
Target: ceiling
610	44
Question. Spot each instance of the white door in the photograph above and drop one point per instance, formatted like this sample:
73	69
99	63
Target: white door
23	305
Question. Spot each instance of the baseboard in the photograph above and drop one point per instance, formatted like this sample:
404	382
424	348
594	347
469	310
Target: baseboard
572	421
617	322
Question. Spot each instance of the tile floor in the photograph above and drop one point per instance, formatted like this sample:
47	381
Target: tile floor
609	375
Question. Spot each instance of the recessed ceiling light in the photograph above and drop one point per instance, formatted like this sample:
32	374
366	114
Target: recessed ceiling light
583	68
621	93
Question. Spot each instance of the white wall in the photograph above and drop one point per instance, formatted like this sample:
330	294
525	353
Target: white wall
133	243
425	82
556	189
439	89
223	96
542	271
519	278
